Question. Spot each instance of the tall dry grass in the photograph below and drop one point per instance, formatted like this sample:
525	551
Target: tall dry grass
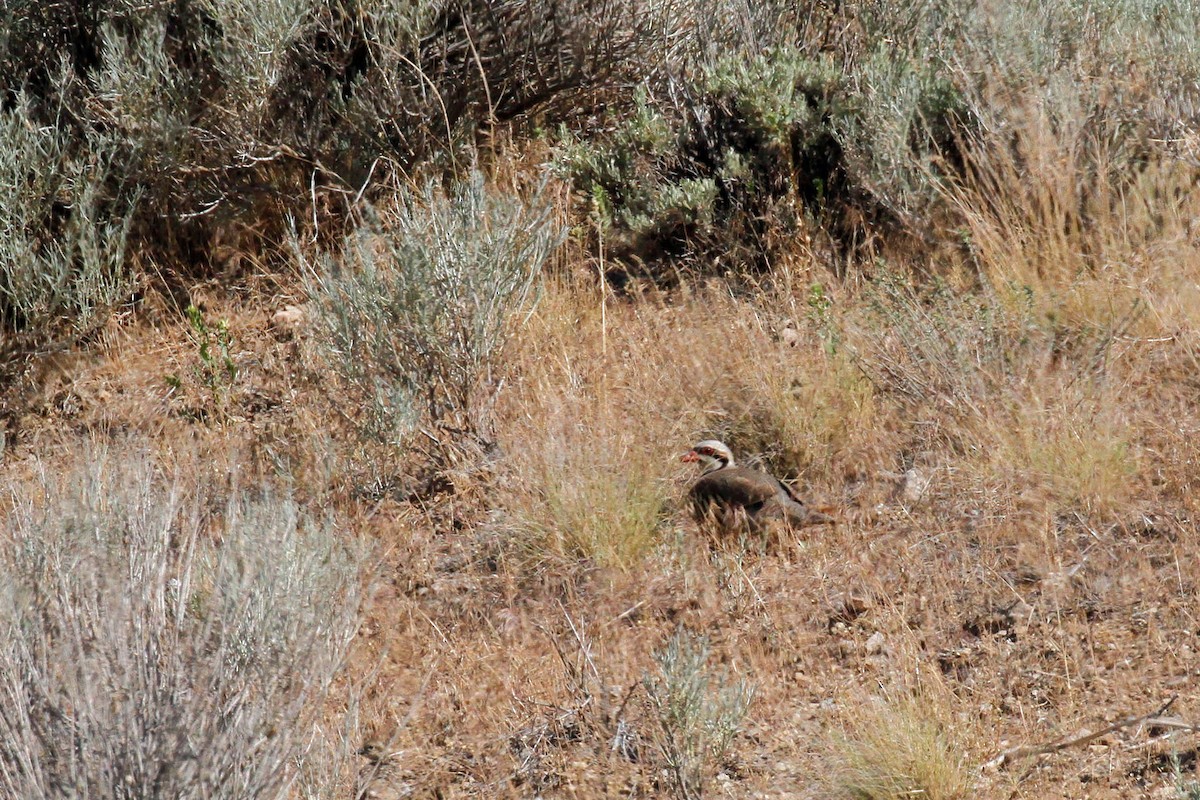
1093	232
897	748
611	393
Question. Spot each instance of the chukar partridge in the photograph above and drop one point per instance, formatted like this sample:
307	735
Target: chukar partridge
380	778
744	499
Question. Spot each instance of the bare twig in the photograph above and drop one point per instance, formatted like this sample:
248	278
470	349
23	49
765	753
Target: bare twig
1154	717
583	645
1172	722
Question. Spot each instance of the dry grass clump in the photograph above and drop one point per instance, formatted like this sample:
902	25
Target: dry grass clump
1013	397
1102	238
812	414
1028	359
1075	445
897	749
610	397
606	507
158	644
590	432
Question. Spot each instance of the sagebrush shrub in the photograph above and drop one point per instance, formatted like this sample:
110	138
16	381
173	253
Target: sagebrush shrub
698	712
415	309
752	148
152	651
62	238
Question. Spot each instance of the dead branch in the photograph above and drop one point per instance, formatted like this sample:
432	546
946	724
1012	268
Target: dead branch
1154	717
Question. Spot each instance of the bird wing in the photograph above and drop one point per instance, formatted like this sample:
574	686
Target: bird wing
752	497
735	486
789	491
791	507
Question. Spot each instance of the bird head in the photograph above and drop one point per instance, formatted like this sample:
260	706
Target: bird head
711	455
376	751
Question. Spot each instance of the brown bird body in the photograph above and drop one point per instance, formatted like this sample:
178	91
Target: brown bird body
743	499
381	777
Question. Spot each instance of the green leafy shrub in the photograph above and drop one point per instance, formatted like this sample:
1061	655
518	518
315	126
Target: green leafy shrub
215	371
756	148
628	182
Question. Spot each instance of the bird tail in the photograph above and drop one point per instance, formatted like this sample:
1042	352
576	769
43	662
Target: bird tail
817	517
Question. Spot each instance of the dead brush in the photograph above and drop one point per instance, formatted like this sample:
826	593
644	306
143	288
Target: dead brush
600	715
677	722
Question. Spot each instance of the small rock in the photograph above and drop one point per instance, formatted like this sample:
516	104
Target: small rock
913	485
288	318
846	608
875	644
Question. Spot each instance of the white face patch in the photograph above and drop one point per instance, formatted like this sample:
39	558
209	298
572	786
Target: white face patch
714	454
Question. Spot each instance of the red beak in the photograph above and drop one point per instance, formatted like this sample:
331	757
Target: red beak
689	456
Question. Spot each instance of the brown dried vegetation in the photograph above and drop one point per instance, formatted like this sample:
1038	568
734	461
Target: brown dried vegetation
999	401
